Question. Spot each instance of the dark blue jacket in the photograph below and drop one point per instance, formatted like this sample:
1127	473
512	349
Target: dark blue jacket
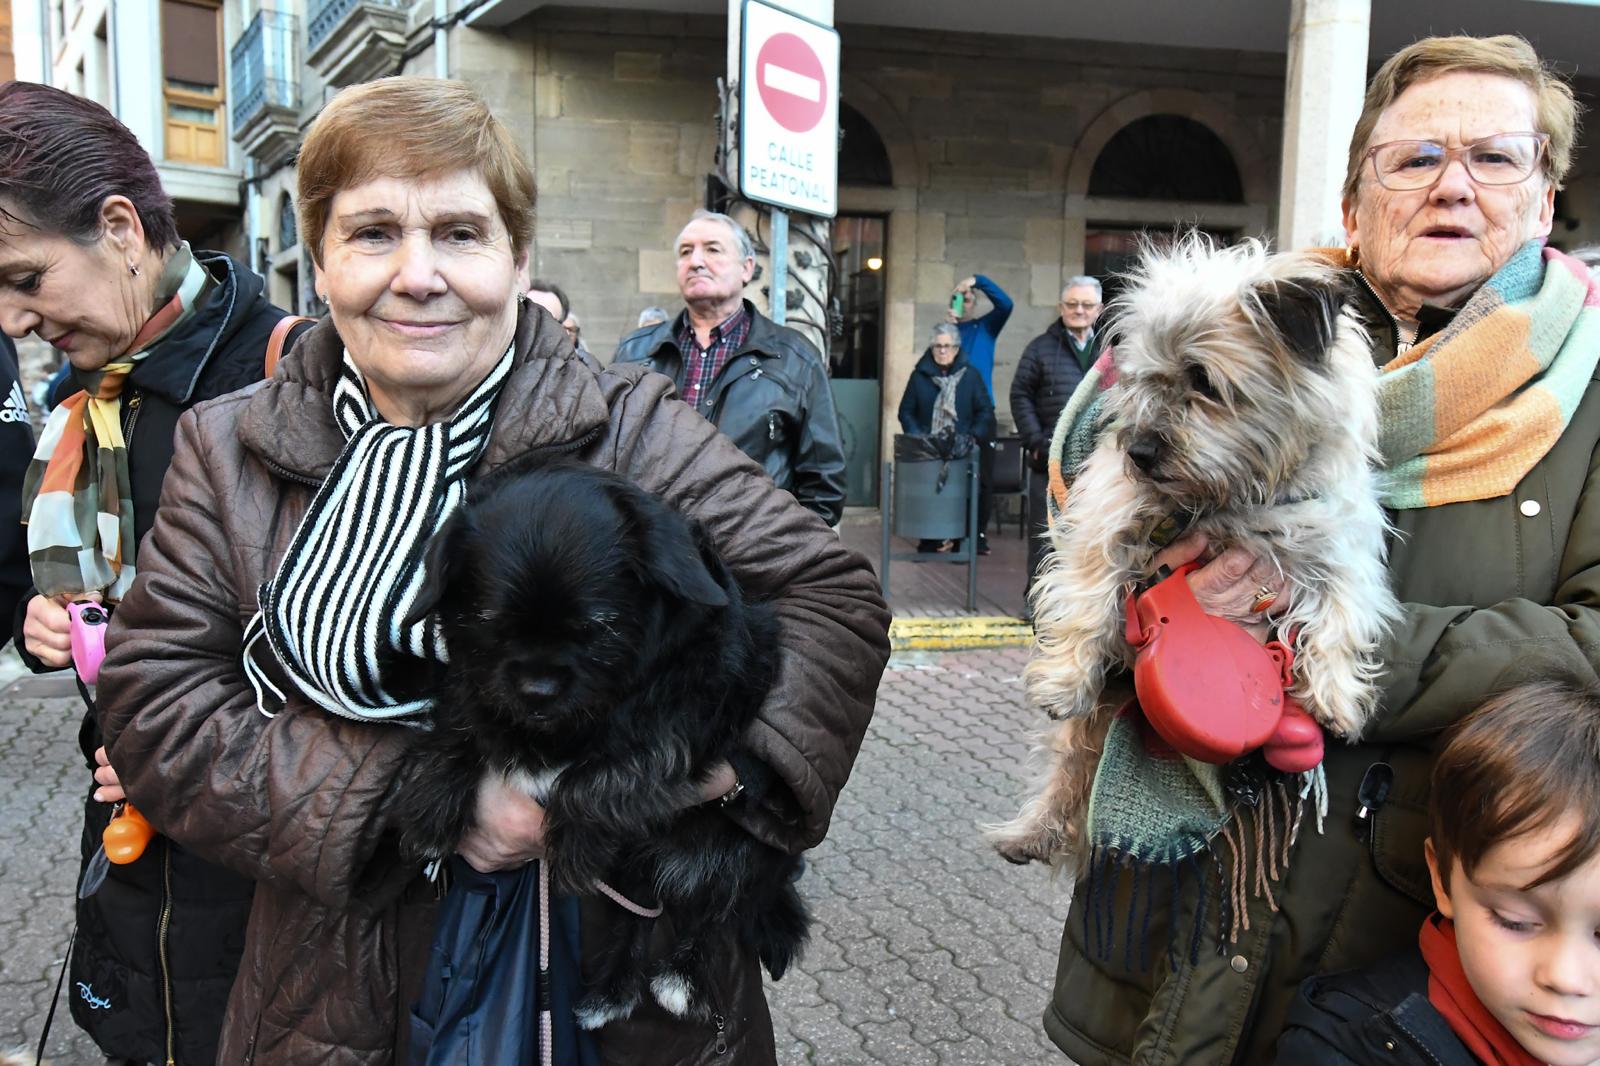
974	405
978	336
1371	1016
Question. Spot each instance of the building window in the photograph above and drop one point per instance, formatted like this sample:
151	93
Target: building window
1167	157
288	224
191	63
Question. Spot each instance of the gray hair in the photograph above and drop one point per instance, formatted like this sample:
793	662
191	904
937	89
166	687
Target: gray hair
651	315
944	329
747	247
1086	282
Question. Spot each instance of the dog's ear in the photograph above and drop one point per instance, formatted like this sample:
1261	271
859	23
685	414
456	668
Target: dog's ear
671	555
439	566
1303	314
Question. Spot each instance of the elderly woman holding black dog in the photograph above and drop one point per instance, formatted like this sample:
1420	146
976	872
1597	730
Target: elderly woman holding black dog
315	494
1487	344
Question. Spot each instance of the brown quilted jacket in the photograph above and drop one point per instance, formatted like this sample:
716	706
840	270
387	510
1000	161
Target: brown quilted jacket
299	802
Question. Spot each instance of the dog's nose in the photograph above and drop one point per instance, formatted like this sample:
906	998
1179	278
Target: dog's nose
1145	452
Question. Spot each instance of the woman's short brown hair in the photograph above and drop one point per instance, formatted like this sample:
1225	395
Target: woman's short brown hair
1521	762
411	128
1556	109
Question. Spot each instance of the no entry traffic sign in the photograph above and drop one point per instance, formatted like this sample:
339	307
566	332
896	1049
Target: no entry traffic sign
789	111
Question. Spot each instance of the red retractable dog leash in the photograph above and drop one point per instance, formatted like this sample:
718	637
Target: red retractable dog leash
1208	688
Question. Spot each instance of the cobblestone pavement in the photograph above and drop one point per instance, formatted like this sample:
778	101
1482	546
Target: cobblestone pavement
928	950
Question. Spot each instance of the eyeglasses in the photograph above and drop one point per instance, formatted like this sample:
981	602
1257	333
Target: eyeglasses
1503	159
947	347
1074	305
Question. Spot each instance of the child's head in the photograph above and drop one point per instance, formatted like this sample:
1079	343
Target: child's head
1515	855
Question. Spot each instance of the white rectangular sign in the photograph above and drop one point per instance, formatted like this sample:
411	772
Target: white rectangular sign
789	111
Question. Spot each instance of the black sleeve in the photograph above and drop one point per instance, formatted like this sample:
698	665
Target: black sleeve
1023	411
16	451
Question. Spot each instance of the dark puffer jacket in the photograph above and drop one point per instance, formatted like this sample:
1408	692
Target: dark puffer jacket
158	945
1050	369
301	802
1377	1015
772	399
974	405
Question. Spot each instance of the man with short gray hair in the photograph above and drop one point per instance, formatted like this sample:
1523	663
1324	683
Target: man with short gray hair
1048	372
762	384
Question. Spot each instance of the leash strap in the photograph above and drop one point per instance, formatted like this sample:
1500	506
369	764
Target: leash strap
55	998
627	904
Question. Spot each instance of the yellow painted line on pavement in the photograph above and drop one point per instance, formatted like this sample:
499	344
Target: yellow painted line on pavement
958	634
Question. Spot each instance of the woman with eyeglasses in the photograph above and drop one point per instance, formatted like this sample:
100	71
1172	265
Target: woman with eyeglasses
1487	343
946	394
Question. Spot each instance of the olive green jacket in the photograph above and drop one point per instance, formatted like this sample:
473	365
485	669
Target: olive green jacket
1487	586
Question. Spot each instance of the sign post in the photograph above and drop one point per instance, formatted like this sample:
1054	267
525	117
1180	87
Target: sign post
788	125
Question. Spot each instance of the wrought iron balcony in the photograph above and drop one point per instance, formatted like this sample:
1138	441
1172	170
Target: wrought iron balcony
266	97
355	40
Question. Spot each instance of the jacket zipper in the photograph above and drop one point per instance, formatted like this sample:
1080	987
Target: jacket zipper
161	942
721	1045
133	418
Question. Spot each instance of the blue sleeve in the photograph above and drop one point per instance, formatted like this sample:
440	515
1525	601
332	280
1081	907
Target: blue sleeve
996	319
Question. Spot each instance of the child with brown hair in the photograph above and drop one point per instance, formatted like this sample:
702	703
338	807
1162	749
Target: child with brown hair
1507	971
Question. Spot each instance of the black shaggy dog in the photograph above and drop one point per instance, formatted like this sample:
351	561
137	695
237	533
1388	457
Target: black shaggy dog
602	657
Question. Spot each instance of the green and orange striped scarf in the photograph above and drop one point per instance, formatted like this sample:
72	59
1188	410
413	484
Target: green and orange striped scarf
1463	415
77	499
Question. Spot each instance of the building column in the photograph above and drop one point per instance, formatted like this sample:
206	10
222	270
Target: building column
1326	80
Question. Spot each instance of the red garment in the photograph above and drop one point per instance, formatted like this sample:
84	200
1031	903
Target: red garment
1452	996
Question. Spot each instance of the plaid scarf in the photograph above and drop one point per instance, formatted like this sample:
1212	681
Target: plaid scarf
333	612
77	498
1464	414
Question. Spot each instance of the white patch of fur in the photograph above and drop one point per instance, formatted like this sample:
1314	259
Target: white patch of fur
673	992
591	1016
535	784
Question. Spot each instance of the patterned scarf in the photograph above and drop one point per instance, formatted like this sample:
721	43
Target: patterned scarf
77	498
1466	413
944	409
332	613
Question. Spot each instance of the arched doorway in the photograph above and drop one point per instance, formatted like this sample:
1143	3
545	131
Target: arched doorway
1162	159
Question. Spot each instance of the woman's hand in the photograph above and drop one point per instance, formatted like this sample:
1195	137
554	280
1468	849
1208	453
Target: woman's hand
510	828
46	631
718	783
1230	586
110	790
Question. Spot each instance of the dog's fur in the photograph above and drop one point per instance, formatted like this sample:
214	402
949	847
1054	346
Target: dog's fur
602	657
1245	397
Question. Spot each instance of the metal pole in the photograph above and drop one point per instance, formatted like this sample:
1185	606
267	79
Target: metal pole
972	534
883	516
778	303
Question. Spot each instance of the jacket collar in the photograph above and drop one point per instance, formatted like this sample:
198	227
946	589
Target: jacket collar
173	368
550	400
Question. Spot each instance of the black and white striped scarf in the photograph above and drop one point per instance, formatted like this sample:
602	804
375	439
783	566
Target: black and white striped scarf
332	613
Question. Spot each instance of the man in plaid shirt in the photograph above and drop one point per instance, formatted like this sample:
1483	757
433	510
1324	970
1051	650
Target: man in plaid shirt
762	384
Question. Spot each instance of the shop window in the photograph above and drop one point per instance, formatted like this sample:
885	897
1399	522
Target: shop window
191	63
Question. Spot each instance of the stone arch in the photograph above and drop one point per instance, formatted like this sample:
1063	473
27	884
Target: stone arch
905	153
1206	110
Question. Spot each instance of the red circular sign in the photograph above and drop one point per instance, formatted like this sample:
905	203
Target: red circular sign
793	86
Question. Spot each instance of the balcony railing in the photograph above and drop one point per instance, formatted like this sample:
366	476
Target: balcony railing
264	66
326	15
266	96
348	41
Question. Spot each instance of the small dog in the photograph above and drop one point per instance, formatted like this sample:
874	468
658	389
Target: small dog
1245	402
603	658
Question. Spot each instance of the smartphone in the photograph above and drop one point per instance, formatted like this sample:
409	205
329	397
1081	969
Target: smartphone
958	303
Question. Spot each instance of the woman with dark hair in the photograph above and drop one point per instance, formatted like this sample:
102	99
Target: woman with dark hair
91	262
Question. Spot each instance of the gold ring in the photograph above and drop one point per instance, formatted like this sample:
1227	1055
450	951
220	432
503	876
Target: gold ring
1264	600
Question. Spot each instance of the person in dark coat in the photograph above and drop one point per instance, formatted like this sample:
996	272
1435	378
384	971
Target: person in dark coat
761	384
1051	366
93	264
16	446
945	394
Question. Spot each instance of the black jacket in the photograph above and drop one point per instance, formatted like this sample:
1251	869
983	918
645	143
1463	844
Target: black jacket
1047	374
974	405
1378	1015
772	398
162	937
16	448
